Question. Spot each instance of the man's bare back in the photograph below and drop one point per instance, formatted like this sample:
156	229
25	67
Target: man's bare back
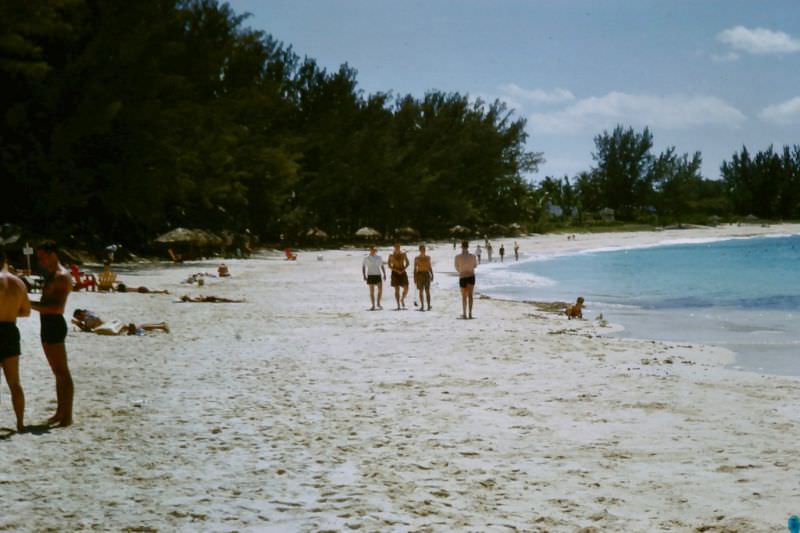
13	298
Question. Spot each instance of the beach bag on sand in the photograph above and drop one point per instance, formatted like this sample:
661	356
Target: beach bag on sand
112	327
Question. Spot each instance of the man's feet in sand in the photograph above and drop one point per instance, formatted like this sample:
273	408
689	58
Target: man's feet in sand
371	308
20	428
380	307
421	309
429	308
463	317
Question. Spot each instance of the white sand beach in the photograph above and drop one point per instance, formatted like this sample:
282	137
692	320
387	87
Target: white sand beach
299	410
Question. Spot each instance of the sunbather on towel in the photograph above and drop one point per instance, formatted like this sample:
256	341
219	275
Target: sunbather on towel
208	299
89	321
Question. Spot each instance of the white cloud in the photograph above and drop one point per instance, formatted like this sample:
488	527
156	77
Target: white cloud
759	40
515	93
725	58
785	113
668	112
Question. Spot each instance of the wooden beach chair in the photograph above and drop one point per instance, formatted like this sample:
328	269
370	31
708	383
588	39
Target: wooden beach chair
106	279
82	280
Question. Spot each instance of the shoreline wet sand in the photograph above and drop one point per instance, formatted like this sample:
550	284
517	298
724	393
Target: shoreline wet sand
298	410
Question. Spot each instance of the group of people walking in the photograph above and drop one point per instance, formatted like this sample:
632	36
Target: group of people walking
14	303
374	273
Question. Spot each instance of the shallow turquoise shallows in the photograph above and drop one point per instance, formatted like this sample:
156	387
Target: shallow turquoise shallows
743	294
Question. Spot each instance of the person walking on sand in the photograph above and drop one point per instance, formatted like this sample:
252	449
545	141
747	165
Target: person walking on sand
398	263
423	276
14	303
502	252
465	264
56	289
478	253
489	251
371	269
516	251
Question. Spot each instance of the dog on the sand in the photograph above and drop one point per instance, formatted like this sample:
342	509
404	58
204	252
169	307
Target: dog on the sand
575	311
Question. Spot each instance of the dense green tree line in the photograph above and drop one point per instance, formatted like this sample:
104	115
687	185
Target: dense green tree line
122	119
640	185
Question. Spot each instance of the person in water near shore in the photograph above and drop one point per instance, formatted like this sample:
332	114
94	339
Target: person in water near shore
14	303
371	268
89	321
465	264
398	263
423	276
56	289
575	311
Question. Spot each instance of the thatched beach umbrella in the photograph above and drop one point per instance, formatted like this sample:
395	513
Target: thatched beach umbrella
460	230
406	233
181	236
316	233
368	233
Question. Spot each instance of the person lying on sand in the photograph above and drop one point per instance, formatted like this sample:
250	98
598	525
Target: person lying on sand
208	299
89	321
575	311
121	287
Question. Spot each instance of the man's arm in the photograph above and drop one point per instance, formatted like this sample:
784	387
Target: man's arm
56	296
24	302
364	271
405	260
384	271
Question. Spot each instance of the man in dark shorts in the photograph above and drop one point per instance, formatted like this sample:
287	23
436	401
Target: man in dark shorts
57	286
371	268
13	304
398	262
423	276
465	264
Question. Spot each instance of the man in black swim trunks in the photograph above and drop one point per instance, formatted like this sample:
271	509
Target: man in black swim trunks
13	304
465	264
57	286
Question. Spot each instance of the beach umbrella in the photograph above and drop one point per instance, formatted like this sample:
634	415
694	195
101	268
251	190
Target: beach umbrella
406	232
498	229
186	236
460	230
316	233
368	233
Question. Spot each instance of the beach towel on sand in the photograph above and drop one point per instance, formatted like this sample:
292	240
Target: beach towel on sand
112	327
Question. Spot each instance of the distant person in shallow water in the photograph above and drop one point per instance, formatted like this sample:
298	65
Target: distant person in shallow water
465	264
516	251
502	252
371	268
423	277
575	311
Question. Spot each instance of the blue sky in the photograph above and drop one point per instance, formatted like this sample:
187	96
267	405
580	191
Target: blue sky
708	75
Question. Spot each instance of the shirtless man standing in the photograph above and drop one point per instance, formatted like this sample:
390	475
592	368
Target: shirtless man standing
13	303
423	276
398	263
465	264
57	286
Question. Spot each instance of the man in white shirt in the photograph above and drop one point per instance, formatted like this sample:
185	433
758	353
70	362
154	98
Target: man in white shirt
371	269
465	264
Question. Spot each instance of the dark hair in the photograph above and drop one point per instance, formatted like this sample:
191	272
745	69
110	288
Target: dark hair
77	312
48	246
465	244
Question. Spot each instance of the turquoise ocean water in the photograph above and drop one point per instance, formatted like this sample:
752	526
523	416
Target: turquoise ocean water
742	294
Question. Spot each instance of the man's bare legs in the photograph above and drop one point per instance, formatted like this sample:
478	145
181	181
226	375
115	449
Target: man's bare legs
405	293
11	370
466	300
57	357
397	296
380	293
372	296
428	294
